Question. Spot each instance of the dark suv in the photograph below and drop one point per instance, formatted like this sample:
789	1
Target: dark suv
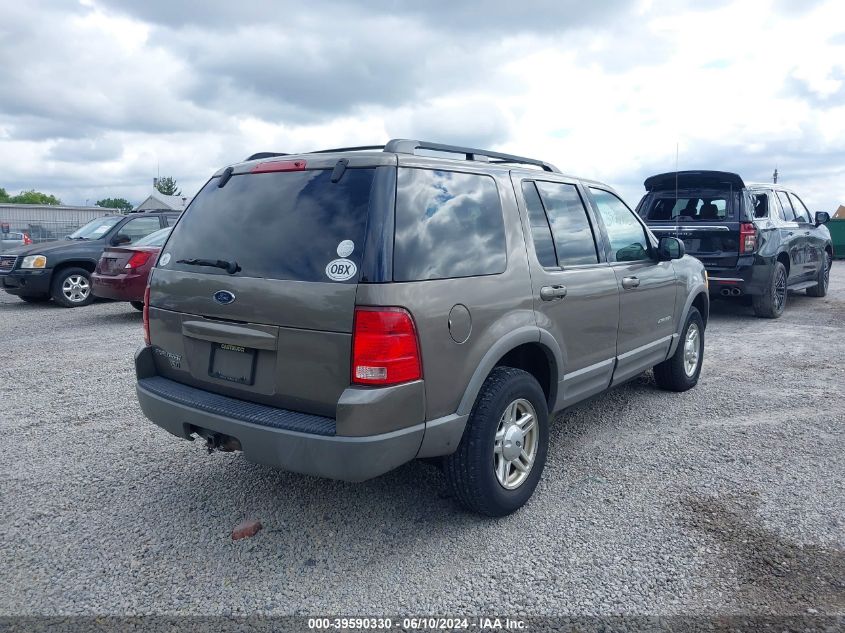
755	240
62	269
340	313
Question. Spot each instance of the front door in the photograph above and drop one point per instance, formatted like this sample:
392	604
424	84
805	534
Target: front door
814	244
647	288
576	297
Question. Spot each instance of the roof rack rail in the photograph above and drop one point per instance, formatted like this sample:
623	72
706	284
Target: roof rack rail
408	146
359	148
258	155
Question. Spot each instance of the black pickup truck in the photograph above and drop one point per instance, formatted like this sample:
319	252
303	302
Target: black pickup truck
757	241
61	270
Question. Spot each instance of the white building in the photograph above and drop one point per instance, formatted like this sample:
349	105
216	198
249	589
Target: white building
157	200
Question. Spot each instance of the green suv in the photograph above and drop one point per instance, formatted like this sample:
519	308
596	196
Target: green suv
342	312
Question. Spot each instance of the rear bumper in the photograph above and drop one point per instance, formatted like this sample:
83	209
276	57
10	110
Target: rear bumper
749	277
26	282
293	441
119	287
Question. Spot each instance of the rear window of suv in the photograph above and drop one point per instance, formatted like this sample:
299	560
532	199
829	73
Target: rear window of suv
276	225
448	224
687	207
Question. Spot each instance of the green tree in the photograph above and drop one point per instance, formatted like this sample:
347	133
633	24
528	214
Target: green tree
34	197
4	197
167	186
115	203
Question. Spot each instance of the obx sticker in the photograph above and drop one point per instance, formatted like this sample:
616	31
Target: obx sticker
341	269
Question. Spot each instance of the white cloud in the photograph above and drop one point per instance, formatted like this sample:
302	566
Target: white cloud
103	95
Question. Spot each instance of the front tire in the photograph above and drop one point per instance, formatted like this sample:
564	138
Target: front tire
772	303
820	289
681	371
138	305
71	287
503	450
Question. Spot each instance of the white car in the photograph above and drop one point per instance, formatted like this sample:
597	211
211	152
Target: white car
13	239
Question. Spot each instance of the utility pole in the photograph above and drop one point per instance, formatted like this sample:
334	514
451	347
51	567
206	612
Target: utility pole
775	176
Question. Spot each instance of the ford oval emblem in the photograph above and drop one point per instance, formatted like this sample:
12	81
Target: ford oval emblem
224	296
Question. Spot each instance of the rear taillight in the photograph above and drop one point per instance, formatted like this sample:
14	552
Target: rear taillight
138	259
146	314
26	239
747	237
385	350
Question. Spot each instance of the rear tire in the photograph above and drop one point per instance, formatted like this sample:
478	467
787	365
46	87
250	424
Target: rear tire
34	298
681	371
820	290
771	304
506	440
71	287
138	305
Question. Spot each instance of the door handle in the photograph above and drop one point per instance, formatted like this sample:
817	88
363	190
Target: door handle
790	234
806	232
552	293
630	282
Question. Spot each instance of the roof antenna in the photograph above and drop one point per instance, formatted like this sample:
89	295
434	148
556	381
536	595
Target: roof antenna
677	227
775	176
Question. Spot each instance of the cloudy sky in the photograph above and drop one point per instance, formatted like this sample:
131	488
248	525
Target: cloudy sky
99	96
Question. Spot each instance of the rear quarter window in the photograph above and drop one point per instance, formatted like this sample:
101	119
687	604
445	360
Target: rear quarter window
276	225
448	224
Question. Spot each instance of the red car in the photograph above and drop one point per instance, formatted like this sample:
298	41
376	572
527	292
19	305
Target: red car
122	272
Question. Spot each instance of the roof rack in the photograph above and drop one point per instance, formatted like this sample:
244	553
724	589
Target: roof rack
358	148
408	146
258	155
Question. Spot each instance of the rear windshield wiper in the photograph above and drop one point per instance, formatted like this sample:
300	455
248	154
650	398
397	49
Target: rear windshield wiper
229	267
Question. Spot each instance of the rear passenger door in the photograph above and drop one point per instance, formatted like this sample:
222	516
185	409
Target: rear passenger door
647	288
793	239
575	291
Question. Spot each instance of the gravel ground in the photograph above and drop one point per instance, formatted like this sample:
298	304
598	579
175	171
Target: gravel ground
727	499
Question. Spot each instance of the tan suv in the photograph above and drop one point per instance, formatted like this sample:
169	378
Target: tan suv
343	312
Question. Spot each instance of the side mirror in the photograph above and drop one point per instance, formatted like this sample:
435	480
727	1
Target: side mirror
120	239
670	248
822	217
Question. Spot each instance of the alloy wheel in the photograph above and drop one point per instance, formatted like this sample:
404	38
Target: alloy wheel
779	290
76	288
692	349
516	443
828	264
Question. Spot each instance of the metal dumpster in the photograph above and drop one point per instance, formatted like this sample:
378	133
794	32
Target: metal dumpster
837	236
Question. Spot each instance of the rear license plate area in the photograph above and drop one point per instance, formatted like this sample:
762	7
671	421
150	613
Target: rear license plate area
232	363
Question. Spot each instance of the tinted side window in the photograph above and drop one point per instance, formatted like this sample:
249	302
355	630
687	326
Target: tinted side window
788	212
448	224
627	237
540	231
801	213
571	229
139	227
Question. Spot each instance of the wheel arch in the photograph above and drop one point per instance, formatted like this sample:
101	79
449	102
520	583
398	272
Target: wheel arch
86	264
783	258
527	348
